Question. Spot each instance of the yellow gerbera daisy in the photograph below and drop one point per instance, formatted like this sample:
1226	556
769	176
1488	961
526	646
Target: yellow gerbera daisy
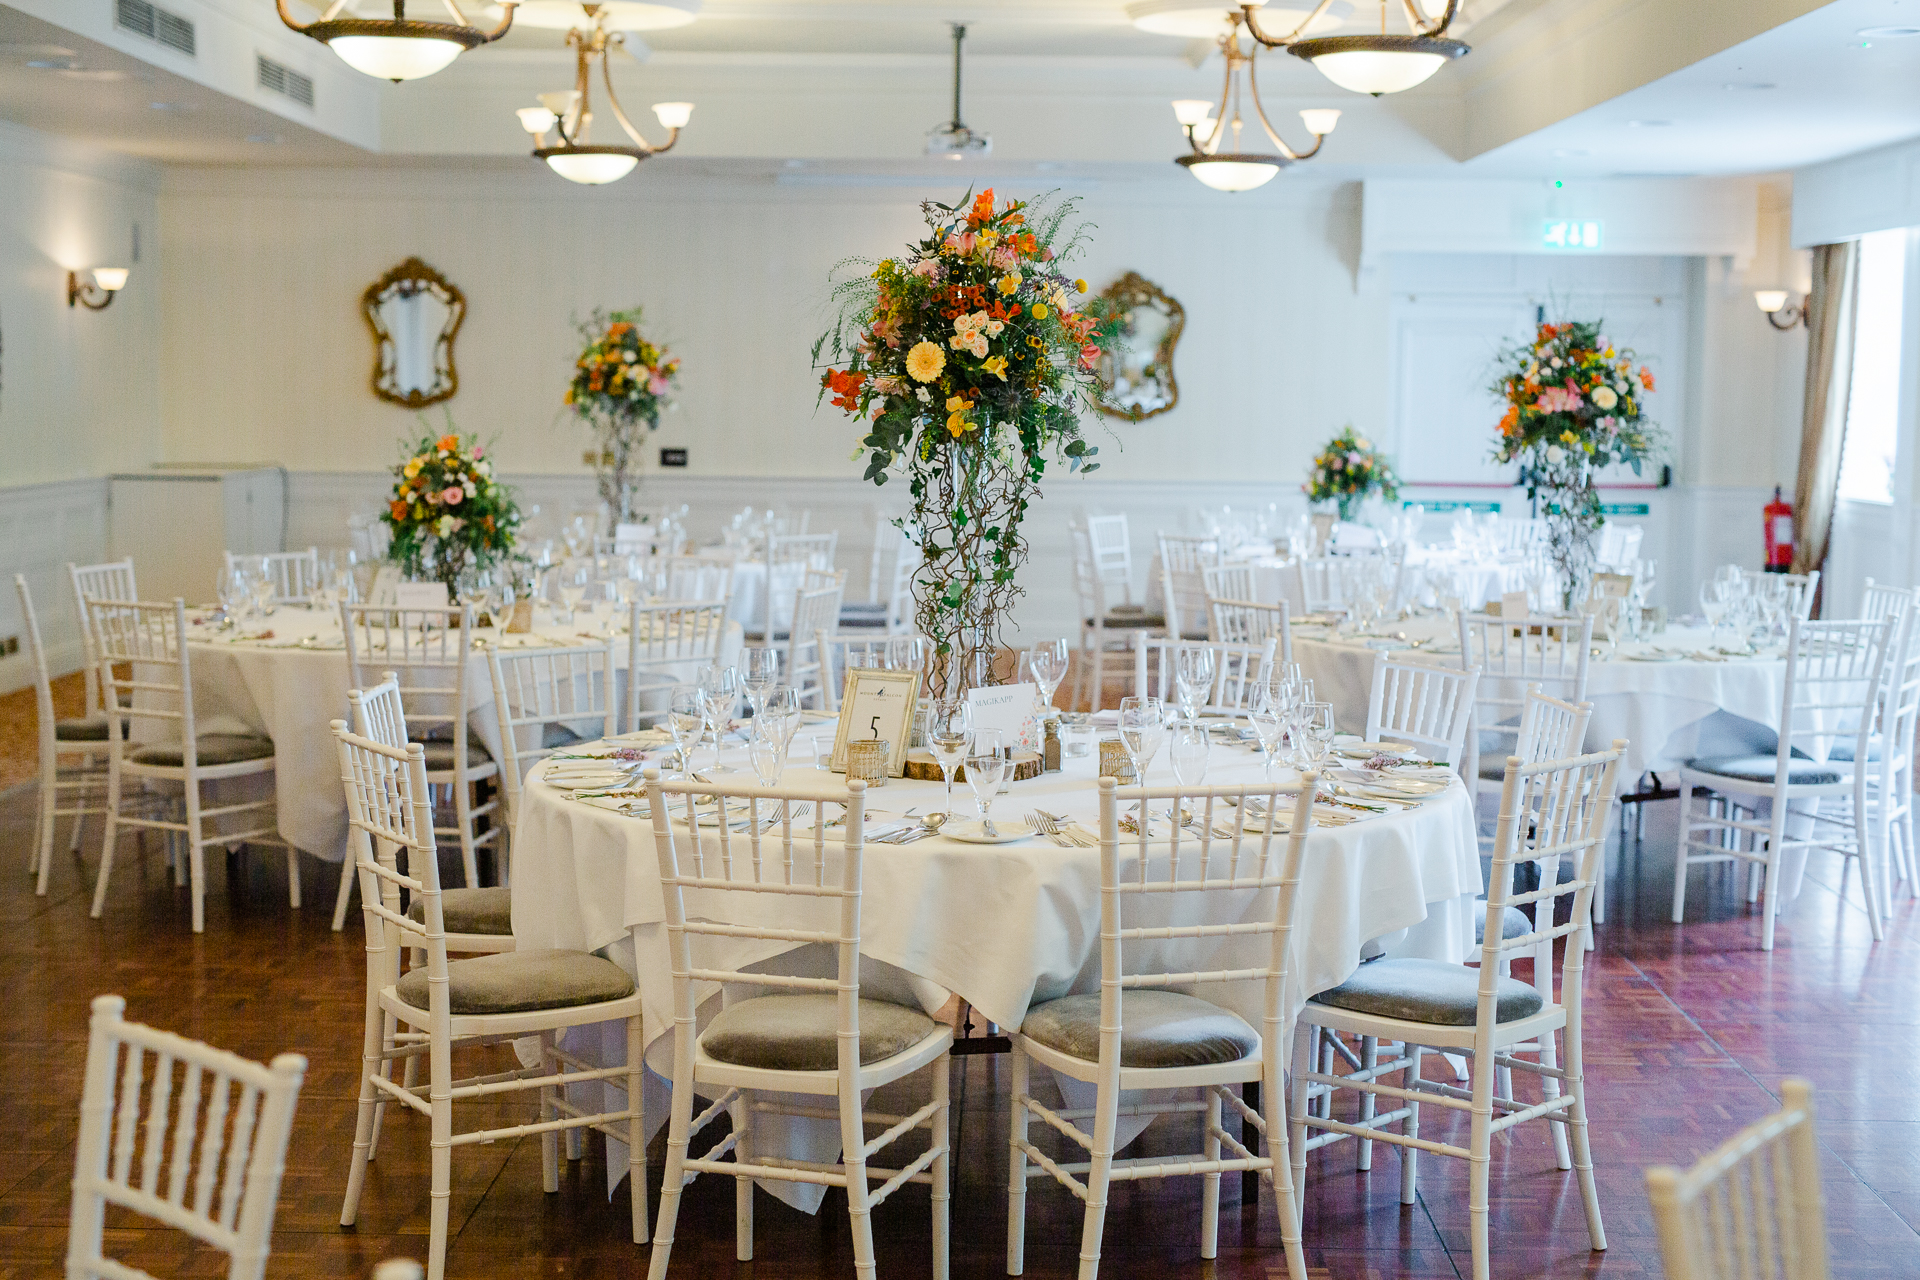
925	361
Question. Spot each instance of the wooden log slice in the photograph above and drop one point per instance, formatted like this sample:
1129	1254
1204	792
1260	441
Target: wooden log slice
922	767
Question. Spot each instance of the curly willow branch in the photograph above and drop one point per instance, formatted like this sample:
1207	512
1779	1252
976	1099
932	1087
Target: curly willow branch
969	515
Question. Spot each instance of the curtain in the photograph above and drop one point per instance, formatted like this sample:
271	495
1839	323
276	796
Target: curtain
1823	421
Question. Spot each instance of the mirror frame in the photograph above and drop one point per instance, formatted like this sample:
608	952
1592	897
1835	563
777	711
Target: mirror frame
413	276
1135	290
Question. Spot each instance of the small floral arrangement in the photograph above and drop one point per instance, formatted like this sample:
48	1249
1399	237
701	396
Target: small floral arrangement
447	512
1571	395
620	374
1349	469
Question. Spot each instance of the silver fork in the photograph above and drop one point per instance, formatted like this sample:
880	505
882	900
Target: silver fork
1040	826
1063	826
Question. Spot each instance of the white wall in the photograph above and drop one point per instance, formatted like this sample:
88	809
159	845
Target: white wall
79	389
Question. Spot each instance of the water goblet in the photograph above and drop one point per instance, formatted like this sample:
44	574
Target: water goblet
762	673
1187	745
686	721
1192	677
1143	728
1046	665
767	753
1269	726
949	735
986	768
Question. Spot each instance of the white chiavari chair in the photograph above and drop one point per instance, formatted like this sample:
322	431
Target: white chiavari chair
1235	878
83	779
1230	582
1878	601
487	999
663	642
1177	571
1240	672
547	700
1799	589
148	641
1753	1207
113	580
1245	622
1422	706
1890	784
1834	675
1326	582
1105	627
776	872
295	573
1548	811
816	606
1618	547
789	558
698	579
432	650
182	1133
889	603
1518	539
841	654
1514	655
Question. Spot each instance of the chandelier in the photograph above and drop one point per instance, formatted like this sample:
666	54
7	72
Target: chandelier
569	114
397	48
1384	62
954	138
1234	169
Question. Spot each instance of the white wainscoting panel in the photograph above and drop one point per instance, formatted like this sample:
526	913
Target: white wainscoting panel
42	527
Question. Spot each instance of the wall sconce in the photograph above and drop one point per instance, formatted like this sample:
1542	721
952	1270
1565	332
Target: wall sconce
96	292
1774	303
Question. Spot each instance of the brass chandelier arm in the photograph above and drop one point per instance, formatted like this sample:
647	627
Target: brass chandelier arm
1260	110
1439	28
606	76
1212	144
1281	42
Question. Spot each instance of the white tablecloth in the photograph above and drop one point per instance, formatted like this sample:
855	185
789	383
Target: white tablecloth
1475	582
291	694
1666	710
1002	926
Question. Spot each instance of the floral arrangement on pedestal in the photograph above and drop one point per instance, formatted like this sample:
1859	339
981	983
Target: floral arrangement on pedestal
447	513
1347	471
1575	403
621	384
970	363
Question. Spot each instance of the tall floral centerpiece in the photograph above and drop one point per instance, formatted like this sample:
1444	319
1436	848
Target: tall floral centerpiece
969	363
1349	470
621	384
447	513
1574	403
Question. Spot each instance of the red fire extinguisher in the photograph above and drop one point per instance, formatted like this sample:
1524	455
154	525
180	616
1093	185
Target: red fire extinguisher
1779	517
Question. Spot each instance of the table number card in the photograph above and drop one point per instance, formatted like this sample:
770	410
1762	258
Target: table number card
877	704
420	595
1013	709
384	583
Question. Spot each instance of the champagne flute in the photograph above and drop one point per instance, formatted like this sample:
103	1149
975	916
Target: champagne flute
767	753
1269	726
985	768
1192	677
949	736
762	673
686	721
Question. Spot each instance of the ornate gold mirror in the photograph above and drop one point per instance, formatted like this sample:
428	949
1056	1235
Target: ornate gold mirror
1136	377
414	314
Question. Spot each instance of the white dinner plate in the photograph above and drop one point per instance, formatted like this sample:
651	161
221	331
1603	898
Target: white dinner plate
976	833
1404	788
1367	750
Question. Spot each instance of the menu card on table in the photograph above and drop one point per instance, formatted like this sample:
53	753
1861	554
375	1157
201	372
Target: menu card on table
1013	709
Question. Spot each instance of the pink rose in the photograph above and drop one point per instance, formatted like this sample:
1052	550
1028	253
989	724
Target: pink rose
452	495
657	385
479	452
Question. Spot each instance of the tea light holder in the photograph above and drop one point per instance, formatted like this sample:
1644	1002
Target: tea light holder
867	760
1114	761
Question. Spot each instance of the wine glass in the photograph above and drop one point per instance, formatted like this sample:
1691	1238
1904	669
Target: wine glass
985	769
686	721
1192	677
1187	745
263	593
781	711
1143	727
767	753
721	685
1269	722
473	586
1713	607
230	588
1316	721
500	601
573	587
762	673
1046	666
949	734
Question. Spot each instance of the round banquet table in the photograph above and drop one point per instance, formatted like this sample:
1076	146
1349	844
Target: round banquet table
291	686
1474	581
1002	926
1671	697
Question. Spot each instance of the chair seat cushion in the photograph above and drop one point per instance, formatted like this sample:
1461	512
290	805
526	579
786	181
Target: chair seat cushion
487	910
802	1032
209	748
552	738
1159	1029
1430	991
1762	769
1513	923
518	981
1843	750
1116	619
440	755
84	729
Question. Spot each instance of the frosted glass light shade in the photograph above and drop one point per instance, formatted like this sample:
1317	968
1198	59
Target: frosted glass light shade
1320	120
1205	19
673	115
113	279
1770	301
1232	175
594	167
1191	110
395	57
536	120
1378	71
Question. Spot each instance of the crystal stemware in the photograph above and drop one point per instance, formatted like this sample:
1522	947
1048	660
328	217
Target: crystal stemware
949	736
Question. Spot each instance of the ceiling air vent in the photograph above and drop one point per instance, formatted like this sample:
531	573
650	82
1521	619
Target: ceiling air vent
284	80
155	23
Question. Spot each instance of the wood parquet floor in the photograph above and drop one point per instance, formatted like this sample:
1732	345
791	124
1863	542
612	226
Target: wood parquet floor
1690	1029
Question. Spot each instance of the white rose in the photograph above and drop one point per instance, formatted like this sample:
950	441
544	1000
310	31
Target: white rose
1555	454
1604	397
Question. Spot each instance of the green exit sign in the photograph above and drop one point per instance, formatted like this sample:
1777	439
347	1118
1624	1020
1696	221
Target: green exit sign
1450	505
1563	234
1625	509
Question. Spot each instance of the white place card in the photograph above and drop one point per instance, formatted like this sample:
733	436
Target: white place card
1013	709
420	595
384	583
1513	604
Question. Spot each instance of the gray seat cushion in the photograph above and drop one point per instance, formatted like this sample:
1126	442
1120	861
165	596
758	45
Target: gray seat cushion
471	910
1118	620
1844	750
84	729
802	1033
1513	923
517	981
209	748
555	736
1762	769
1431	991
440	754
1159	1029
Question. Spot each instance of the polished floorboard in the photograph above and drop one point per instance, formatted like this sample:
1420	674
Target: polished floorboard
1690	1029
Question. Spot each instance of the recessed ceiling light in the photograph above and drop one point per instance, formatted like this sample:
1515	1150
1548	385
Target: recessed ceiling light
266	139
1887	33
1748	86
1649	124
84	73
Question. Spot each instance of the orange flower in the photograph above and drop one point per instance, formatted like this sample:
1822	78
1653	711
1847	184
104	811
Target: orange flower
1646	377
397	509
448	442
1510	425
